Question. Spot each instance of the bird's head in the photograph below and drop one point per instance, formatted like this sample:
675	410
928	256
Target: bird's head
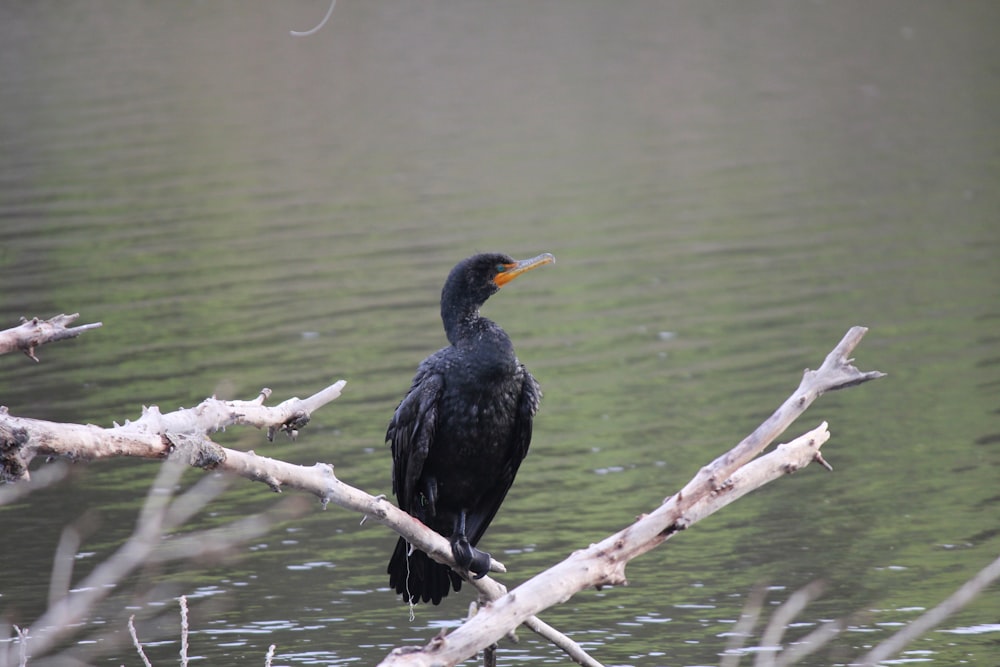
477	278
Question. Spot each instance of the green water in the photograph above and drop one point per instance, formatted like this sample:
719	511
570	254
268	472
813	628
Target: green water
727	188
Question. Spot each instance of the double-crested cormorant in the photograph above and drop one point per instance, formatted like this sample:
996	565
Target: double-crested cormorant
462	430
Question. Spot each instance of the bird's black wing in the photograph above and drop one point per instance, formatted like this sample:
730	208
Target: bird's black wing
411	432
520	438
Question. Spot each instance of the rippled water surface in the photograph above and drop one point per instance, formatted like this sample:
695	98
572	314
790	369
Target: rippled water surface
727	188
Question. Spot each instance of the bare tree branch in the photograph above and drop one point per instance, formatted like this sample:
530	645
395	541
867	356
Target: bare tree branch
155	435
571	648
135	641
184	630
721	482
183	434
35	332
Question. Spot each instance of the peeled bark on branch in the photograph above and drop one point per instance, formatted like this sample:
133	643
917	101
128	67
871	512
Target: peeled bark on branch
155	435
34	332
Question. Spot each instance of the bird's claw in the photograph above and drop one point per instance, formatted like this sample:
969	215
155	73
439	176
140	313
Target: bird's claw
467	557
480	565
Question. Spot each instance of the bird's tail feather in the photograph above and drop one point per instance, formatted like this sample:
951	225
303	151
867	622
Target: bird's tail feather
418	578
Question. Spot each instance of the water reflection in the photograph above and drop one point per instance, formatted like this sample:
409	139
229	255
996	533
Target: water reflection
242	209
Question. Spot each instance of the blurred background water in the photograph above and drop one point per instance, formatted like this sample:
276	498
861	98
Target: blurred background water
728	187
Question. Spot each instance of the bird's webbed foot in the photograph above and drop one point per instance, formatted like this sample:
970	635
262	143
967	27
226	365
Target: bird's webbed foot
469	557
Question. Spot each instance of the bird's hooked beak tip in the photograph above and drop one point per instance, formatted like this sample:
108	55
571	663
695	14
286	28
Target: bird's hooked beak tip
512	271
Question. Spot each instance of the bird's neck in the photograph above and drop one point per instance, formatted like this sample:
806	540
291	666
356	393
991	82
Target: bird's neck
470	329
463	324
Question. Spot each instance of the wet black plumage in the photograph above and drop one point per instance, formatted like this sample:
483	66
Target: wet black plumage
462	430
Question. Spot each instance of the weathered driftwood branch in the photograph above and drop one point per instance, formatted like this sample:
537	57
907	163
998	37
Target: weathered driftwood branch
34	332
721	482
155	435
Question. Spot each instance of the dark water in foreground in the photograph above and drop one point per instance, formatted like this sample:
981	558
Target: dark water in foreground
727	188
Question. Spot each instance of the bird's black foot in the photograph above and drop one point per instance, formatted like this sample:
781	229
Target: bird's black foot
470	558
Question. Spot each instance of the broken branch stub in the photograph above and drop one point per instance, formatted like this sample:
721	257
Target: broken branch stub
34	332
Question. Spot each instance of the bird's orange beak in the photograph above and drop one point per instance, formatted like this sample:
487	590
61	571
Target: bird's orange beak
511	271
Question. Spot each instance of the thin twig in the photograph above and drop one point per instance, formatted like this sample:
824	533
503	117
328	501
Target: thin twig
313	31
22	641
136	642
561	641
184	630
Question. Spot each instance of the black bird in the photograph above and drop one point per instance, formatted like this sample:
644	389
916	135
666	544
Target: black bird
462	430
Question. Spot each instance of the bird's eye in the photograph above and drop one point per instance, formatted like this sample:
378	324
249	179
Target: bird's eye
501	268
